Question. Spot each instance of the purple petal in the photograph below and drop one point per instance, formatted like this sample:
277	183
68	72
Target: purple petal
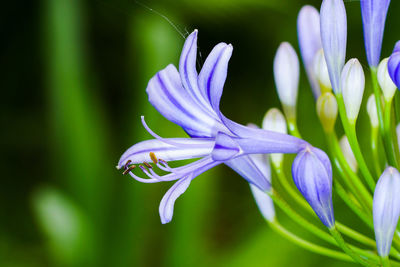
374	16
309	34
168	96
225	148
312	174
258	141
247	167
188	73
175	149
166	208
264	203
394	68
213	74
386	209
334	38
396	47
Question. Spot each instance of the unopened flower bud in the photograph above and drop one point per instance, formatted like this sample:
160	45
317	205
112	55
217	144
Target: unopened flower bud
327	111
275	121
321	71
386	209
385	82
286	74
353	84
348	153
312	174
334	38
394	65
372	111
309	33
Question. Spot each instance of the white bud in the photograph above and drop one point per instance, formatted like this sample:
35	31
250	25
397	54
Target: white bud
385	82
275	121
353	84
286	74
348	153
372	112
321	69
327	111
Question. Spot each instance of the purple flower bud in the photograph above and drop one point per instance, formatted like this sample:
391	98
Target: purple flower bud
334	38
312	174
393	65
386	209
374	17
309	34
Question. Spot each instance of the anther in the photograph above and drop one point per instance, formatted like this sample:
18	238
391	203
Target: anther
129	169
147	165
153	157
127	164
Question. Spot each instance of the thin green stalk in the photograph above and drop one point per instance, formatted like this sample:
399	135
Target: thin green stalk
343	194
379	108
293	129
350	131
315	230
342	244
375	151
389	138
300	200
308	245
351	179
299	219
385	261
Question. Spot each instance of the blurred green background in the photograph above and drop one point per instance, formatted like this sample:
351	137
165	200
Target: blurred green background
73	89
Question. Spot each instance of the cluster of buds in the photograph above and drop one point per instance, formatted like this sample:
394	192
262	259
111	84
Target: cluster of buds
338	87
371	191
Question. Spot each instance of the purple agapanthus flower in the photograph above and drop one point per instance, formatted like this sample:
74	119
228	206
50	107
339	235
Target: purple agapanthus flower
374	16
191	100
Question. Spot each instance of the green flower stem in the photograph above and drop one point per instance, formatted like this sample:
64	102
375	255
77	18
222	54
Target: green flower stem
394	136
350	131
385	262
293	129
299	219
386	142
345	197
342	244
308	245
390	133
350	178
375	151
317	231
302	202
